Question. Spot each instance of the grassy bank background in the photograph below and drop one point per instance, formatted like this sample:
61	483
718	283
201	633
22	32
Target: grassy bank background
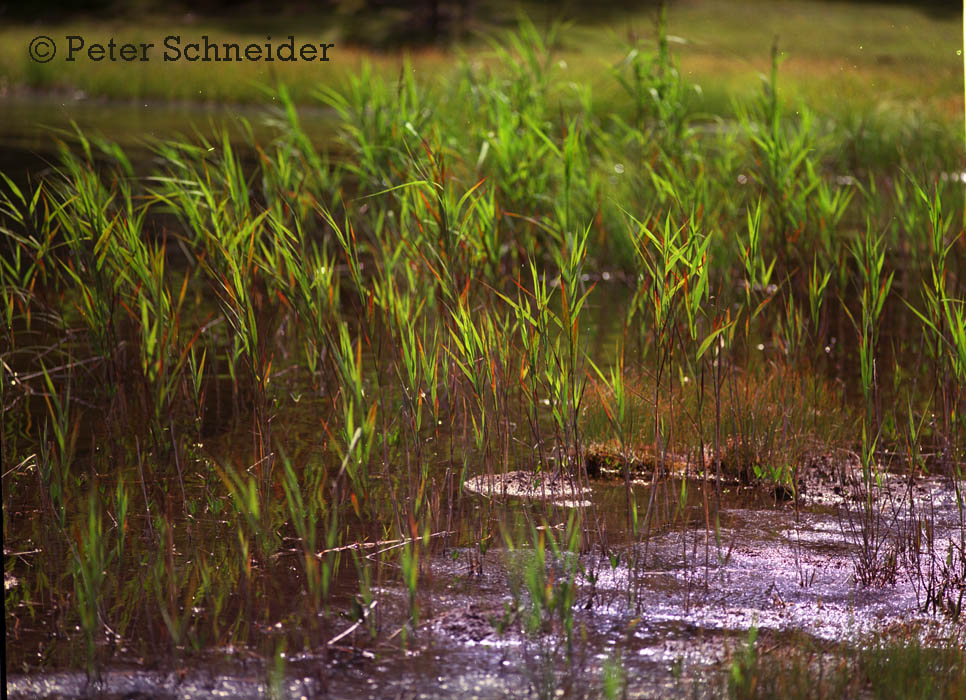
901	56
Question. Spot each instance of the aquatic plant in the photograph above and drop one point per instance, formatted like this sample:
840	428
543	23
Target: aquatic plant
229	366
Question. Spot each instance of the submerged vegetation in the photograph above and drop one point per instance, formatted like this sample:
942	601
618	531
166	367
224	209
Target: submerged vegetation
243	385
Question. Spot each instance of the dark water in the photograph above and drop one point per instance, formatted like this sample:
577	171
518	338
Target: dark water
675	615
31	124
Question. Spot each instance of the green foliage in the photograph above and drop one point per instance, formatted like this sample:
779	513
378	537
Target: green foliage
277	343
875	668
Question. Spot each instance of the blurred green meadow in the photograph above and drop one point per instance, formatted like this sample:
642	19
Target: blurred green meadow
863	54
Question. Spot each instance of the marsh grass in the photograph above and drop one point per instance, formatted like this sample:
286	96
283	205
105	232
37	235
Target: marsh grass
878	668
262	356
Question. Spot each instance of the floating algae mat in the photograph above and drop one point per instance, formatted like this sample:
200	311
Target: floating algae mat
557	489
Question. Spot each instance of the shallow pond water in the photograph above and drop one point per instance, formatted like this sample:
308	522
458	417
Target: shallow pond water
673	609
